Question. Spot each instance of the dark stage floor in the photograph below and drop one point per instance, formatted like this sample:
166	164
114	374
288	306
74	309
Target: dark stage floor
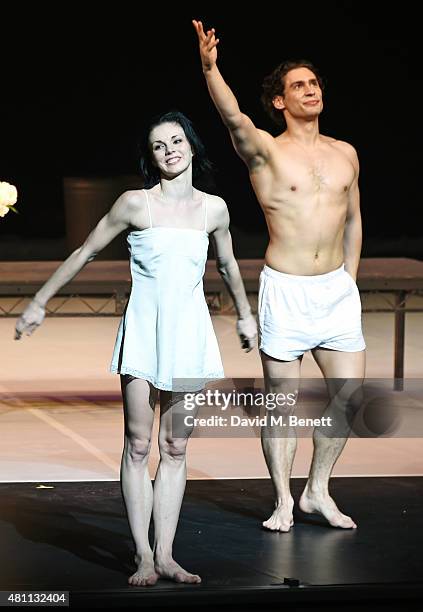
75	537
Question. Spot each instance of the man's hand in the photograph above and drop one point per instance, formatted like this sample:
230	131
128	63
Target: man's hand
30	319
247	332
207	43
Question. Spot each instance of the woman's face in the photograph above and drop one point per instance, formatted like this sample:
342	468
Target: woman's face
170	149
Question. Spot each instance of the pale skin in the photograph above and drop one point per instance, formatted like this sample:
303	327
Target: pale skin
307	186
175	200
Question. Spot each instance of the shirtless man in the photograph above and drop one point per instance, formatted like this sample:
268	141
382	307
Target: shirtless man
307	186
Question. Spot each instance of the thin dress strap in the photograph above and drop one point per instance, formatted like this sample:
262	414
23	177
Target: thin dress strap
205	211
148	206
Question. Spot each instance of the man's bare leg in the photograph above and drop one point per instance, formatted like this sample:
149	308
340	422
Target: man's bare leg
139	399
335	366
169	487
279	443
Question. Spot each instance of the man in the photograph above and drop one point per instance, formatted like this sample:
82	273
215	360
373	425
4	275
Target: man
307	186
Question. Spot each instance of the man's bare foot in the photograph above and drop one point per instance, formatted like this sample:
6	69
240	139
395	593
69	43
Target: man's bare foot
145	575
322	503
282	518
173	571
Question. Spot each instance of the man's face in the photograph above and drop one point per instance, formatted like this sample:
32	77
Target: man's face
302	96
170	149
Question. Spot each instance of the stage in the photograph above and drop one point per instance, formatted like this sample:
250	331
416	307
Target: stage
74	536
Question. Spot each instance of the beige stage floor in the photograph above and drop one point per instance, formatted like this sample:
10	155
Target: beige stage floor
50	432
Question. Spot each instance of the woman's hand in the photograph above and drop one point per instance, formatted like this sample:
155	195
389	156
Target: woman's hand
247	332
30	319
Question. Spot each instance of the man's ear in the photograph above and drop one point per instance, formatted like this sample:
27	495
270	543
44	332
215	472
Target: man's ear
278	102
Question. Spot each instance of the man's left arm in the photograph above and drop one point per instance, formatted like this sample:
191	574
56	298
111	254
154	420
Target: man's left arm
353	229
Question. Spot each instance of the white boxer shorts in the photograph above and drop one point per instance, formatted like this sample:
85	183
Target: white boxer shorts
299	313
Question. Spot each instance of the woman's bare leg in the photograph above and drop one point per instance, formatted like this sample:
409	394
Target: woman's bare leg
139	399
169	487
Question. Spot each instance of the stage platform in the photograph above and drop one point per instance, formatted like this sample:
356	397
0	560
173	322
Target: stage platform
62	427
74	536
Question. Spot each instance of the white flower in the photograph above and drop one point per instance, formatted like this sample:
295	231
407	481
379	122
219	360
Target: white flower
8	197
3	209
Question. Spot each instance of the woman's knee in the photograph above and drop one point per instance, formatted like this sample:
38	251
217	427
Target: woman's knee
137	448
173	448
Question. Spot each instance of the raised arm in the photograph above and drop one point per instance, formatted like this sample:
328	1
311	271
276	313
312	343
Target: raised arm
250	143
353	229
116	221
229	271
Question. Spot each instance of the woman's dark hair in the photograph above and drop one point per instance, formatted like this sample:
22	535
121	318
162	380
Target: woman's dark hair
201	165
274	85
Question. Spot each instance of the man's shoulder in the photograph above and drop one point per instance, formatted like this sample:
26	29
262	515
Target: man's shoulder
268	137
342	145
280	139
345	148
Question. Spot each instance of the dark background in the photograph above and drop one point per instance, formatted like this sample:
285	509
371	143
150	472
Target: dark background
76	88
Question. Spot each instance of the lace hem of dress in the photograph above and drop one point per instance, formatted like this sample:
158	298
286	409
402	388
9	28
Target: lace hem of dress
190	384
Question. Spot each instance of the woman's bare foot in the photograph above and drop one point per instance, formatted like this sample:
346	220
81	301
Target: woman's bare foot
323	504
282	518
145	575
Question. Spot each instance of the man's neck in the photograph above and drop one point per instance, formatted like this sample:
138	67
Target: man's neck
304	132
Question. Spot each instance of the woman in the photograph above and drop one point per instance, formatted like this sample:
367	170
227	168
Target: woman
165	340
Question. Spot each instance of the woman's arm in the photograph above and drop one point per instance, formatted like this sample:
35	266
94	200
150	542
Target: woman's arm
229	271
112	224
